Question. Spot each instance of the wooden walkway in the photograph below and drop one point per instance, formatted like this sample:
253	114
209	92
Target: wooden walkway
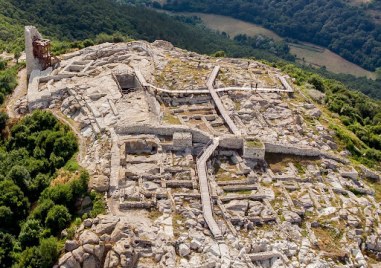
204	189
218	102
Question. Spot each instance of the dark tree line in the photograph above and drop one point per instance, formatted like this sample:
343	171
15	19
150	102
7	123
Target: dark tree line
32	211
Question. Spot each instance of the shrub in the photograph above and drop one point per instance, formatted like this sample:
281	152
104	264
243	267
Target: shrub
57	219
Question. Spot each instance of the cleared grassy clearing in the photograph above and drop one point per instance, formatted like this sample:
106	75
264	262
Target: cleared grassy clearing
232	26
319	57
312	54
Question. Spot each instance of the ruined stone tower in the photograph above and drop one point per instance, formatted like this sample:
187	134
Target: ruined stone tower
32	63
37	50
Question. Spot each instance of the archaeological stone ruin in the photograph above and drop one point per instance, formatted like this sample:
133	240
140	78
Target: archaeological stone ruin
199	168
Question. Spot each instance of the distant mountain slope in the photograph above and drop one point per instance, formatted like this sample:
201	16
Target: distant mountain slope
339	26
78	20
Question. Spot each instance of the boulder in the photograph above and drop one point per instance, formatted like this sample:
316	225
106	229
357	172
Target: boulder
370	174
195	244
291	217
215	250
88	237
184	250
256	208
92	262
316	113
71	245
238	205
107	225
78	254
87	223
100	183
71	262
112	260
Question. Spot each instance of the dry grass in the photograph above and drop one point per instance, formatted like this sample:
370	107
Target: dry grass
64	176
177	222
278	162
319	57
328	241
232	26
187	73
228	177
154	214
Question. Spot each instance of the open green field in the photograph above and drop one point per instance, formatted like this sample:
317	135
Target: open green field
305	53
232	26
319	57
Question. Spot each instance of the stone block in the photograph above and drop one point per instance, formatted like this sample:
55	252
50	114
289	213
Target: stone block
182	140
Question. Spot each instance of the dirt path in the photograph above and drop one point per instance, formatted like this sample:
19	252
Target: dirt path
18	92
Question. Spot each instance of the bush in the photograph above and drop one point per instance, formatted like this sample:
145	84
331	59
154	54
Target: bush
61	194
57	219
6	246
219	54
40	212
317	82
20	176
99	206
13	198
30	233
43	256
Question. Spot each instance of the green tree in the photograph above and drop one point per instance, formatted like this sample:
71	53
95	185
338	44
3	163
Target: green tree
3	120
317	82
59	194
30	233
3	65
219	54
20	176
40	212
6	247
42	256
49	252
378	73
17	54
57	219
29	258
12	197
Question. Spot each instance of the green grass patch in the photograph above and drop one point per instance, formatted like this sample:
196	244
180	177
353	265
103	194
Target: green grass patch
376	186
99	204
72	164
255	143
170	119
299	167
247	192
356	191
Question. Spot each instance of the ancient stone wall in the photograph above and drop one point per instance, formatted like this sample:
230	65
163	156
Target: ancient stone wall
182	140
153	104
253	152
289	149
198	136
231	142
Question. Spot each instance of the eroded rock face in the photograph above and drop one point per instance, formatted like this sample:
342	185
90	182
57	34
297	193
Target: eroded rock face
97	245
99	183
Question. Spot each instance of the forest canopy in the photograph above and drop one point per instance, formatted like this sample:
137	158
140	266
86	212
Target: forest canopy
343	28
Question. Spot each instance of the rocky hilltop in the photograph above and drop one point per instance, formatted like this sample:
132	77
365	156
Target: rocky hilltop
206	162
